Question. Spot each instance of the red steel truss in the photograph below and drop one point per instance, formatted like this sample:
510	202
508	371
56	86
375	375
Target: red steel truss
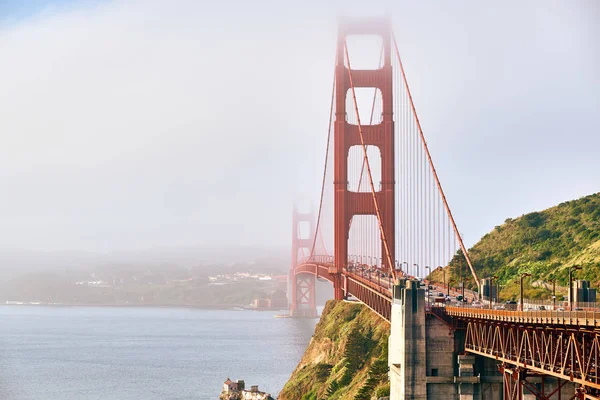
565	352
516	379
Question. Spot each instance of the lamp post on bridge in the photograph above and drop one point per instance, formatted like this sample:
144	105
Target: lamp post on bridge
571	297
428	291
444	273
497	290
416	269
404	262
494	277
523	275
379	272
554	294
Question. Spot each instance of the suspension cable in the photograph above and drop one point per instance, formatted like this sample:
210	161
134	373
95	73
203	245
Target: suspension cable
312	251
435	175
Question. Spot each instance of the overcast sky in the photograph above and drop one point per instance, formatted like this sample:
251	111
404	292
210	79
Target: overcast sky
140	124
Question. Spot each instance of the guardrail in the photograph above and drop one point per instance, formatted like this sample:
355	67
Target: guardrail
588	318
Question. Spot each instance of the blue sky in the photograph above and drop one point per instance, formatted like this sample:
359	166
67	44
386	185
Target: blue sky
19	9
136	124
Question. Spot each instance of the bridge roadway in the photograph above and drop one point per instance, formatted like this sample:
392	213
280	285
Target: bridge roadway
563	344
360	281
372	290
587	319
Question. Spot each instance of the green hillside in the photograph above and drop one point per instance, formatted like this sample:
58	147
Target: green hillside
544	244
346	358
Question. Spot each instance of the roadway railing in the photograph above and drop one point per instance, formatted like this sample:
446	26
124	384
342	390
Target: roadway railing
584	318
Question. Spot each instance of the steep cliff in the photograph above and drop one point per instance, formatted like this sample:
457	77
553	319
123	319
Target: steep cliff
346	358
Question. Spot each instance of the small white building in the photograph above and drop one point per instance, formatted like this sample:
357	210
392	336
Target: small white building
229	386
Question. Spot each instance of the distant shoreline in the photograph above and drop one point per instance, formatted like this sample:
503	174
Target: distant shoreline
190	306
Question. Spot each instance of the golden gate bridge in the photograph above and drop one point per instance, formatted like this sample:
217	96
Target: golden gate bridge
383	222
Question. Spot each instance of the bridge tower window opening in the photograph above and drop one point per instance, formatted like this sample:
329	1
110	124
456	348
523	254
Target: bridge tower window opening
364	244
369	101
366	51
304	230
358	179
304	236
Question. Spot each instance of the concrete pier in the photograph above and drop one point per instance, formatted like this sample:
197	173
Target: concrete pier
407	343
425	354
427	359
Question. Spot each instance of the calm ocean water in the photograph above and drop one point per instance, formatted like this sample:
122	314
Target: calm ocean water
81	353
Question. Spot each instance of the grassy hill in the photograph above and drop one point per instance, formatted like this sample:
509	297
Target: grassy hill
545	244
346	358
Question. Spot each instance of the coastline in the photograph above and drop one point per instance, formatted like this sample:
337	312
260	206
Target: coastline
230	307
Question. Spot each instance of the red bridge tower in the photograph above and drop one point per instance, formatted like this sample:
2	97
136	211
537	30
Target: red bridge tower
347	203
301	290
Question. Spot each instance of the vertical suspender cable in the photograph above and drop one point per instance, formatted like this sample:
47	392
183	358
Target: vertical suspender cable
467	258
317	225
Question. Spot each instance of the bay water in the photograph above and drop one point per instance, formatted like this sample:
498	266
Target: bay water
121	353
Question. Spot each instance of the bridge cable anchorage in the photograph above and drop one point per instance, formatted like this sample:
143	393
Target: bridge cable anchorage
430	160
369	174
317	232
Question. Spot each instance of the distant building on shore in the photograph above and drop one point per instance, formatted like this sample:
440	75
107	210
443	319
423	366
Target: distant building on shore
277	301
237	391
230	386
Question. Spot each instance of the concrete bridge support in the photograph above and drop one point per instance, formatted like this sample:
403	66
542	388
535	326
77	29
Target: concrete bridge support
427	360
426	355
407	352
490	385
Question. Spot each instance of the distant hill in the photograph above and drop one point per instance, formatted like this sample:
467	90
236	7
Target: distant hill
17	262
544	244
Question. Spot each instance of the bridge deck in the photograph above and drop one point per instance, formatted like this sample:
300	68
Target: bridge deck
587	318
